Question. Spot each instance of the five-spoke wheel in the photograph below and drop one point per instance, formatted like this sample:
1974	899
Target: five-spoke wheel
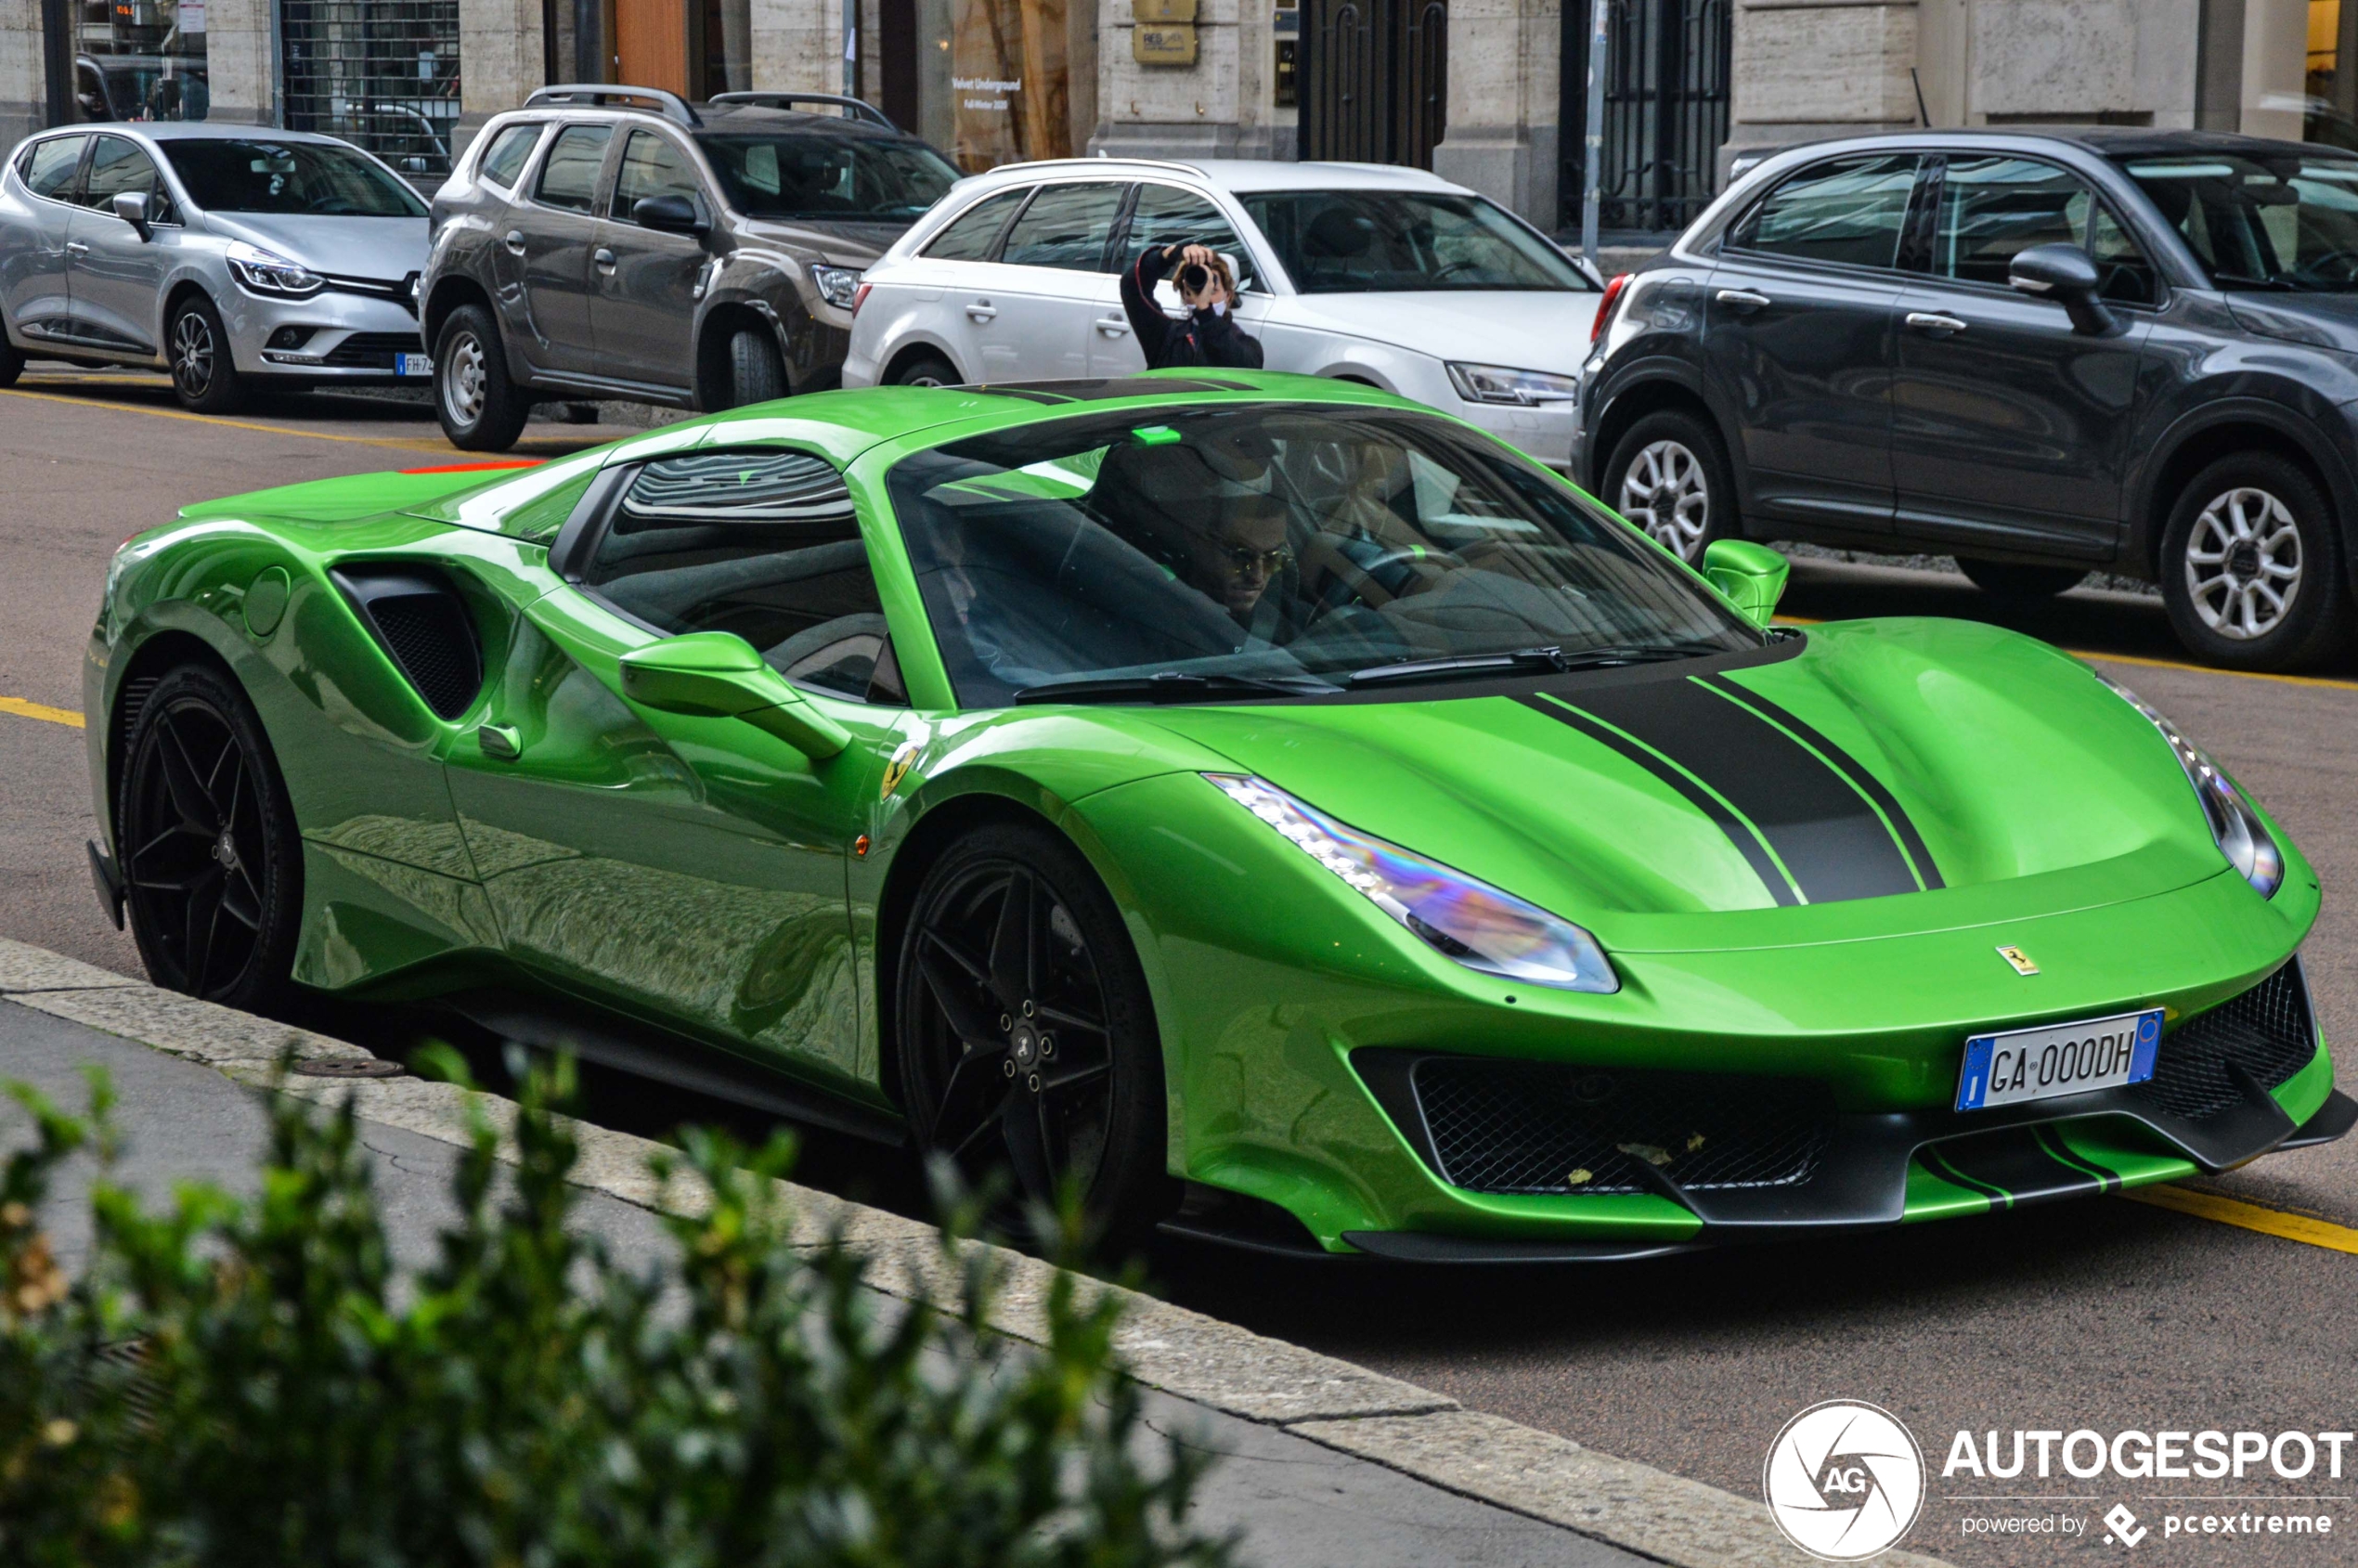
1668	476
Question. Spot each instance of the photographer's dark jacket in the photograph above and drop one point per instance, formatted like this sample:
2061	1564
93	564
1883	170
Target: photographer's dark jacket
1206	337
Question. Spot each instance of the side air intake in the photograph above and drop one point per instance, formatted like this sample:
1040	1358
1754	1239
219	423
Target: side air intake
424	625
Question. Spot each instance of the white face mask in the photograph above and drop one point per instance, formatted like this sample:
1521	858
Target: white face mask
1220	308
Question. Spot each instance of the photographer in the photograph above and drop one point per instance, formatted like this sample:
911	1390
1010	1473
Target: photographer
1210	334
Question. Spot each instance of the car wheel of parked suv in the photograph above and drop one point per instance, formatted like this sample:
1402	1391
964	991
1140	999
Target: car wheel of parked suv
202	373
2011	580
755	372
2251	568
926	371
1669	477
480	409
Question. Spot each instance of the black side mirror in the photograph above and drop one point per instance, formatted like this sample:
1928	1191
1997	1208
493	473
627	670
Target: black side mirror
131	208
673	214
2066	275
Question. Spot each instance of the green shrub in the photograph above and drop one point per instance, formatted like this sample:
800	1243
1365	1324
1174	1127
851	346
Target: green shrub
252	1382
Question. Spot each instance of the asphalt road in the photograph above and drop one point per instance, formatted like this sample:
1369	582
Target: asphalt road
2105	1315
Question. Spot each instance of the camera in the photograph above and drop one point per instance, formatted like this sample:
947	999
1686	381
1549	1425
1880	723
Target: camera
1192	279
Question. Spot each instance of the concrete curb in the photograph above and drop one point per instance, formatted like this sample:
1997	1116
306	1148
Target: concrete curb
1354	1411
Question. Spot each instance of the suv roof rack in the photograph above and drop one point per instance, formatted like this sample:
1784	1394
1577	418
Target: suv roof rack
600	95
1099	160
854	108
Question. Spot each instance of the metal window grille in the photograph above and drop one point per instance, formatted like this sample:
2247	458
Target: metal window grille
1375	80
383	74
1665	111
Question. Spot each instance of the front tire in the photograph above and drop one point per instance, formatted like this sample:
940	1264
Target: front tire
205	374
2252	567
212	864
2022	584
1025	1034
757	374
1669	477
480	409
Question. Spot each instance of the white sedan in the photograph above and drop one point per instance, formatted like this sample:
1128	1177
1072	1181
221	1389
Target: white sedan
1362	272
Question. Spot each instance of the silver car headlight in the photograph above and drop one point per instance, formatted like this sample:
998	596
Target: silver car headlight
1498	384
1478	926
836	284
2241	836
266	272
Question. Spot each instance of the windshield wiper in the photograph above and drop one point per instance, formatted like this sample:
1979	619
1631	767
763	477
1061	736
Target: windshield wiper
1173	686
1551	658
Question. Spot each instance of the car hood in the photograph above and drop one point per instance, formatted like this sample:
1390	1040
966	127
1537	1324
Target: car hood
843	244
1533	331
1797	794
2315	320
388	249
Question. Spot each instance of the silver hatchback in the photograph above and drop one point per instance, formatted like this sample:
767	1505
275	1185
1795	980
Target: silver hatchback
234	256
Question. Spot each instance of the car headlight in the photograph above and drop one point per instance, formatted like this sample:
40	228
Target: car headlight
1477	925
2241	836
836	284
267	273
1496	383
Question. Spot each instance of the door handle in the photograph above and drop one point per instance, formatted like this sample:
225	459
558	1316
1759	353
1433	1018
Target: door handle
982	310
500	742
1113	326
603	257
513	240
1934	322
1742	299
76	248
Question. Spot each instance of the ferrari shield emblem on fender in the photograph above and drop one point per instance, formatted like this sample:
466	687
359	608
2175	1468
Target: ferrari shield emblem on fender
898	769
2013	955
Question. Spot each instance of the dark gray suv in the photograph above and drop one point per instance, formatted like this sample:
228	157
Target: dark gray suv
618	242
2043	354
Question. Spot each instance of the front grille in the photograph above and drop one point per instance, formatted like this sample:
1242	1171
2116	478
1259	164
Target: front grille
372	351
2267	1030
1499	1126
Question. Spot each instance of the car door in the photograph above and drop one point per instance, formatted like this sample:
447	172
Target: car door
948	290
690	870
558	228
117	276
1054	278
1797	339
502	190
646	282
2010	428
1162	215
34	280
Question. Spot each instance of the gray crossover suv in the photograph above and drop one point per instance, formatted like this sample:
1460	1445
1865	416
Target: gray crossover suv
619	242
231	255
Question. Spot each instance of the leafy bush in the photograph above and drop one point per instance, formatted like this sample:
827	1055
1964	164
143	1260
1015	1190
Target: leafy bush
253	1384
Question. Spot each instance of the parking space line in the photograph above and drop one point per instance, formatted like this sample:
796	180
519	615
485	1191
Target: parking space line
24	709
217	421
2249	1216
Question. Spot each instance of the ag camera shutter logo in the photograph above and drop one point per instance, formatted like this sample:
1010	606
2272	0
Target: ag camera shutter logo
1844	1480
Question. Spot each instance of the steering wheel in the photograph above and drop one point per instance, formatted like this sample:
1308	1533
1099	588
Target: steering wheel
2348	258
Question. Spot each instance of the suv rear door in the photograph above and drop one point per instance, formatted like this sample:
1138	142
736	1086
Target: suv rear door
2010	429
1797	339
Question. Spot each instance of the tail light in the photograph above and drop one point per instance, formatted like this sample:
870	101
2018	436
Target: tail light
857	295
1611	302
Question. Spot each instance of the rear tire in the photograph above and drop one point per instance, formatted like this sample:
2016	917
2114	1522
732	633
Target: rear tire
205	374
2009	579
480	409
2252	566
1669	478
11	360
756	373
928	369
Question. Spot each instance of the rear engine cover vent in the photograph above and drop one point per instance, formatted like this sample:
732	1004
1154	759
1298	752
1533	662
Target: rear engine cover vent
424	625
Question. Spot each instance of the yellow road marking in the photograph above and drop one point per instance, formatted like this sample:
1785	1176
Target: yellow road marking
24	709
233	424
2249	1216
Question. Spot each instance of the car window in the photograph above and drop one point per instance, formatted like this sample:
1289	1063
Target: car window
1845	210
569	177
48	167
652	167
2277	219
117	164
762	543
1165	214
1391	241
970	236
1067	225
1990	208
2128	276
265	174
506	159
817	178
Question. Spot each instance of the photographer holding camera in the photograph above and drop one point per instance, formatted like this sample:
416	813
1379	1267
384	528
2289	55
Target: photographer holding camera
1208	335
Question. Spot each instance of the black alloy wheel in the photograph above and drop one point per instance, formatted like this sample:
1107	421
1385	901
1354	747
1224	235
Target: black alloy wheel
927	370
1026	1037
2015	580
206	838
205	374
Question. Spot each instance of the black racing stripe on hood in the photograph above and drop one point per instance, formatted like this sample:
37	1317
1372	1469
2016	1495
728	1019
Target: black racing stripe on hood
1747	843
2012	1168
1829	839
1851	769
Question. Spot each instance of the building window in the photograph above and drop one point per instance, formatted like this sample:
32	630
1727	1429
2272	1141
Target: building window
383	74
139	59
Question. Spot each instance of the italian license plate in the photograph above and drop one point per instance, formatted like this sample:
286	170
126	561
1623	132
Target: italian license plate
2039	1064
412	365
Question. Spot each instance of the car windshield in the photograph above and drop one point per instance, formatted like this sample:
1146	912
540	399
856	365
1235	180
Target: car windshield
1381	242
262	176
2287	222
808	174
1290	547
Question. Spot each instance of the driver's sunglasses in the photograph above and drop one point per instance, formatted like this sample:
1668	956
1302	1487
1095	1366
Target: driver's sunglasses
1270	562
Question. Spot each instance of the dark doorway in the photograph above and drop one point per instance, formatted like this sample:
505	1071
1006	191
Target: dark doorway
1666	111
1375	80
896	83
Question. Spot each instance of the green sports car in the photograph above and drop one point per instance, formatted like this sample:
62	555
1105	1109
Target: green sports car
1276	811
